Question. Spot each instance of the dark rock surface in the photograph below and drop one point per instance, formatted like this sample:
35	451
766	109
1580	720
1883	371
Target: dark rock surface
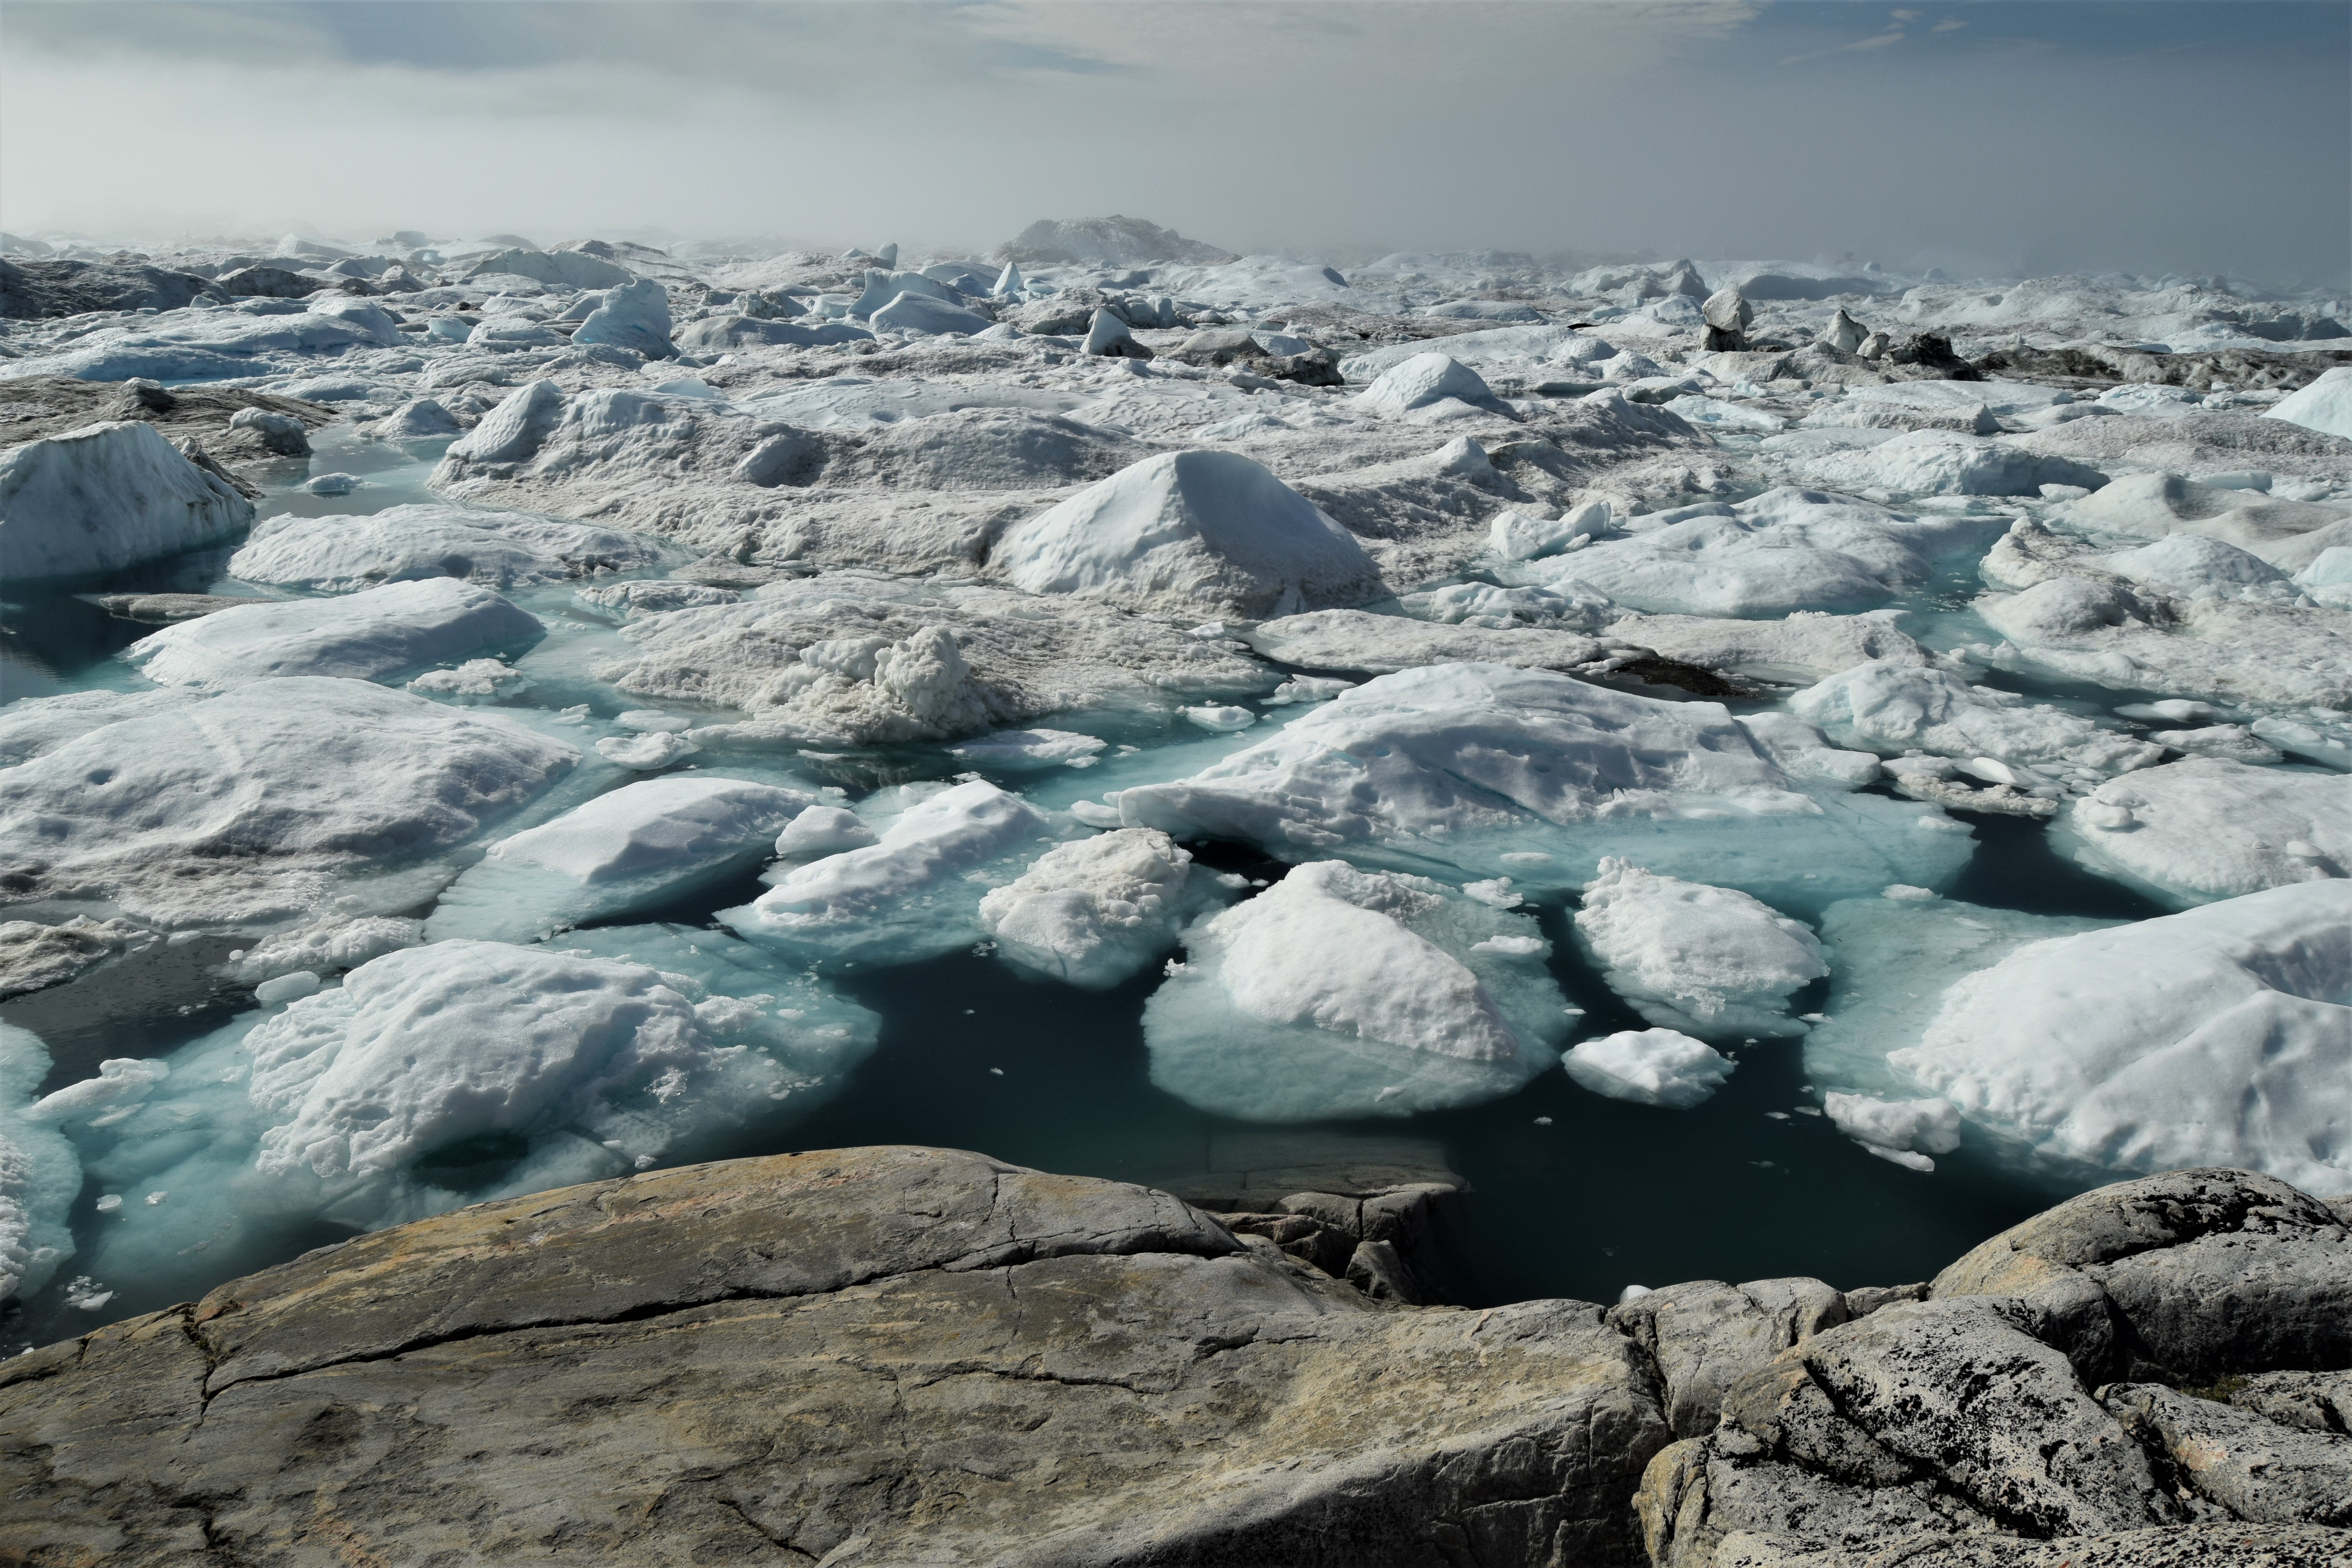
897	1355
33	290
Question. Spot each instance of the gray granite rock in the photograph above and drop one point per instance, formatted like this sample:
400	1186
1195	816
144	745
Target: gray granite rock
1705	1336
2257	1469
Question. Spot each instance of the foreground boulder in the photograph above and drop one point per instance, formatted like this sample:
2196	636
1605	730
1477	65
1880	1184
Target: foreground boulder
866	1357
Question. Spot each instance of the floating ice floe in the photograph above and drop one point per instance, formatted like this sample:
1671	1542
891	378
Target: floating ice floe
367	635
635	847
1945	463
1892	708
1459	768
912	893
106	497
333	794
1908	1132
1032	748
1094	911
402	543
1339	992
1190	533
1648	1066
40	1175
2205	829
1706	960
1801	648
2219	1036
1785	550
462	1071
856	659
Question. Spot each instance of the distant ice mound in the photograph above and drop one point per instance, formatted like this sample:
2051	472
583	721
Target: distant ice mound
1190	532
1705	961
1113	241
106	497
1346	993
2220	1036
2325	406
497	549
1485	770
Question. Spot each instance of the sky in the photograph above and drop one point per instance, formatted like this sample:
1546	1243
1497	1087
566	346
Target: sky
1991	138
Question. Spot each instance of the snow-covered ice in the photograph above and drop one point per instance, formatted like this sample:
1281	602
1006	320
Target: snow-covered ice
1706	960
2209	828
371	635
1095	910
1339	992
1649	1067
106	497
400	543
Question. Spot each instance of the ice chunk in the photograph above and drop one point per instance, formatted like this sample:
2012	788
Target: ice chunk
330	948
1946	463
1520	536
908	895
1095	911
2207	828
2289	535
911	312
1649	1067
40	1175
266	802
1802	649
639	846
823	830
1892	708
2324	406
645	753
1190	533
400	543
367	635
1346	993
1706	960
1784	550
1567	606
2219	1036
1428	386
1359	639
1032	748
2195	567
632	316
1906	1132
1447	769
105	497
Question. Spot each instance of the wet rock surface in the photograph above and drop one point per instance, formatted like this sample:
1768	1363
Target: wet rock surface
900	1354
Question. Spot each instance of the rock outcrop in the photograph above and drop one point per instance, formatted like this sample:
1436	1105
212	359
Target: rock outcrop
899	1355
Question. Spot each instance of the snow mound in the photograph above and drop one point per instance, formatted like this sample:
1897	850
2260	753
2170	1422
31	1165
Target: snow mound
643	845
910	895
1706	960
2205	829
403	543
2219	1036
1429	386
1785	550
1095	911
367	635
1648	1066
267	801
106	497
1893	708
1339	992
1190	533
1456	767
2325	406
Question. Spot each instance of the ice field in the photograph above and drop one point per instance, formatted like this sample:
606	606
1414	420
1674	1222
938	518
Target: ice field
1755	765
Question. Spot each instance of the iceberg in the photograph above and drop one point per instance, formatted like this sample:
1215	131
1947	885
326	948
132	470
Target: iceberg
2205	829
1472	768
1429	386
1186	533
403	543
912	894
639	846
1705	961
105	497
632	316
368	636
2324	406
1340	992
1095	910
1892	708
274	800
1649	1067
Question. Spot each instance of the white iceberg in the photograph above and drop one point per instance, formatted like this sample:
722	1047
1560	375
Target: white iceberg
642	845
1339	992
106	497
368	636
2324	406
1429	385
1649	1067
1190	533
402	543
1892	708
1706	960
1095	910
2205	829
1907	1132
